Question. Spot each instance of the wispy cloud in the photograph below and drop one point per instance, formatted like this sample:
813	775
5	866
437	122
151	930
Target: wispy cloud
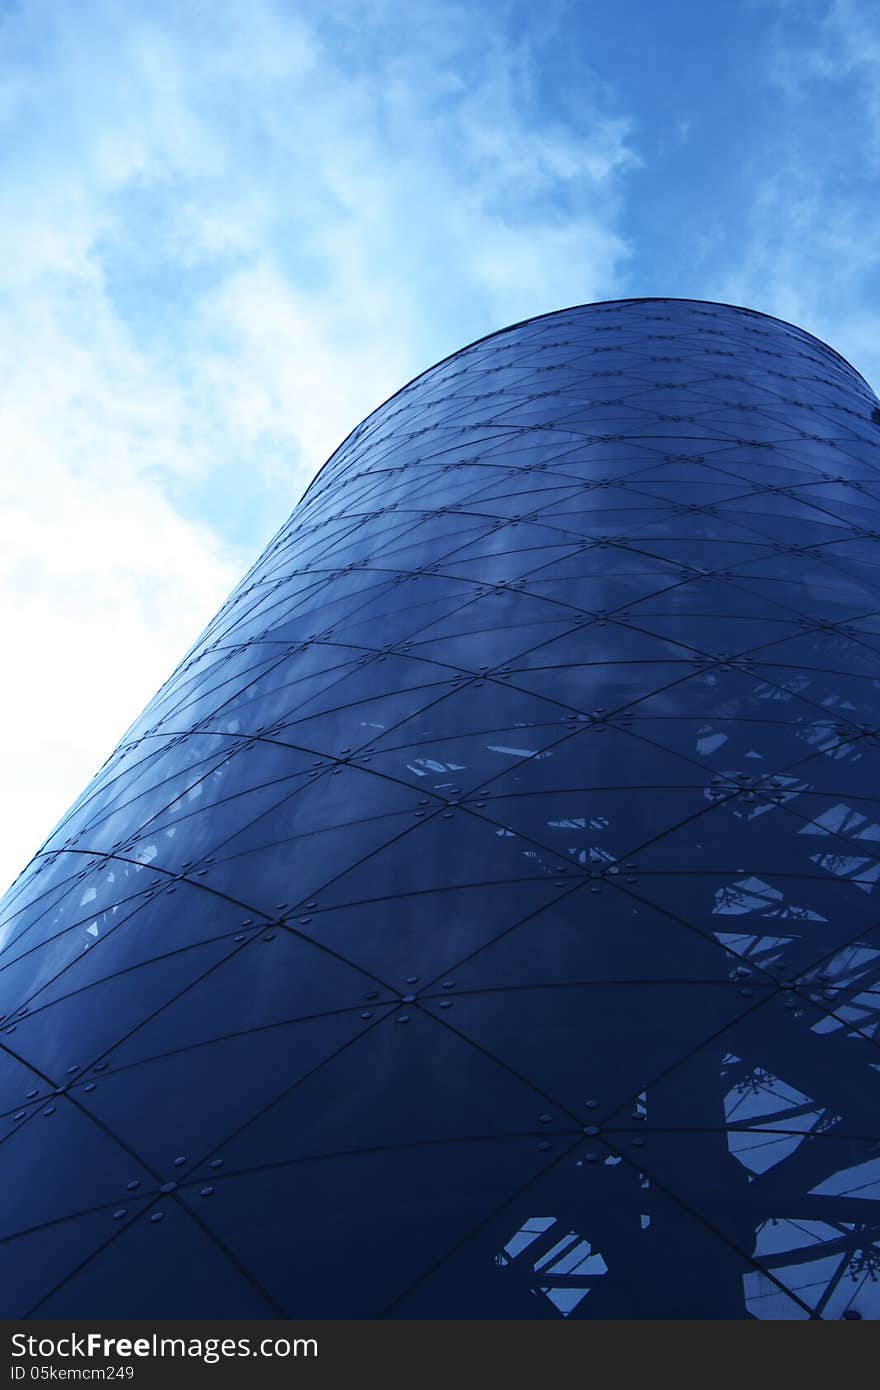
808	246
226	233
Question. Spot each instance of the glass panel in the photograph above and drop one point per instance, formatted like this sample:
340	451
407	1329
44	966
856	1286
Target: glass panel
135	1276
33	1265
488	899
70	1034
42	1190
379	1216
146	1095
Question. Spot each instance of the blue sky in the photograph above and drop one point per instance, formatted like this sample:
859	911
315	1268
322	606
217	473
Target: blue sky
229	230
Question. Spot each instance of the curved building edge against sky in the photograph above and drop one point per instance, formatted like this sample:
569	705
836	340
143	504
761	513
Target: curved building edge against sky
480	921
600	304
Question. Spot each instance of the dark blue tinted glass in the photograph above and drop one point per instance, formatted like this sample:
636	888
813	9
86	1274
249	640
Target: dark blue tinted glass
482	919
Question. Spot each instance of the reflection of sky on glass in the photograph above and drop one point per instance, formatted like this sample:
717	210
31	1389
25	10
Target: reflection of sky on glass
229	231
660	947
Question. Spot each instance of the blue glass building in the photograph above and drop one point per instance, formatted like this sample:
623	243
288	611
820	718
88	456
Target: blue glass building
482	921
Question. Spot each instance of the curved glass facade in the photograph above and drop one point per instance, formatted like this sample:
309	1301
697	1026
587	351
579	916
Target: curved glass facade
483	919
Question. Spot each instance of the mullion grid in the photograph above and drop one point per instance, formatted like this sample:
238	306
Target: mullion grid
838	368
550	1098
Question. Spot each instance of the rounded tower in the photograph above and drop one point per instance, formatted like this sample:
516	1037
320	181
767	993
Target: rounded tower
482	920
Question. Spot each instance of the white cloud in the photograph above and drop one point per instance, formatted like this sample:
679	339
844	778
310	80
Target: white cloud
808	248
226	233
